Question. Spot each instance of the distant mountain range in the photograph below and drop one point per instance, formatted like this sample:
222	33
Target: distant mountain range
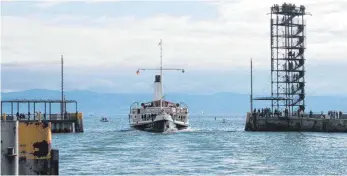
119	103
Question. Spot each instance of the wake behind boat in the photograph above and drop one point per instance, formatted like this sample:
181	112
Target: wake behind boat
159	115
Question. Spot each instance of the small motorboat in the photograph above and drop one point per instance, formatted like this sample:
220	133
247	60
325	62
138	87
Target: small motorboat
104	119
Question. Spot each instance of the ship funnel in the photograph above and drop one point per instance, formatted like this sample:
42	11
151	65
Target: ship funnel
157	88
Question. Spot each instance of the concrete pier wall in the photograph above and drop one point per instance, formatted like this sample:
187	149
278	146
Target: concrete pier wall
79	123
60	127
35	148
257	123
9	148
31	144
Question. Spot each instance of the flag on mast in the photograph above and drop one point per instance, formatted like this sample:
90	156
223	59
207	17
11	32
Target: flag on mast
160	42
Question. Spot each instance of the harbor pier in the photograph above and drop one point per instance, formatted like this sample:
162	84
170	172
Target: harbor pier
311	123
287	109
63	122
26	149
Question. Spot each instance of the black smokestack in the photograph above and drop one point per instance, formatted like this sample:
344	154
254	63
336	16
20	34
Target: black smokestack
157	78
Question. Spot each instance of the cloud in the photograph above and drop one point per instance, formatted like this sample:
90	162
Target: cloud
49	3
240	31
45	4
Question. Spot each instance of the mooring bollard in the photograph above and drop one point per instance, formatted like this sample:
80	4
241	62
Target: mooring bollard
54	162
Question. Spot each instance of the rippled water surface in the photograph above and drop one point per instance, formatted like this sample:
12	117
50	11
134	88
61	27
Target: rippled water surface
208	147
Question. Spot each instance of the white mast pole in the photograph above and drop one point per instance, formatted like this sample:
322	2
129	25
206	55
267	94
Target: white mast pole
161	73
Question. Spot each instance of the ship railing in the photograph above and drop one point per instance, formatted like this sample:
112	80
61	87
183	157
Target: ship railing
182	104
157	109
132	106
184	110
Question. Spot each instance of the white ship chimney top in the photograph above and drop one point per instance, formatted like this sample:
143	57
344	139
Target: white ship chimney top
157	88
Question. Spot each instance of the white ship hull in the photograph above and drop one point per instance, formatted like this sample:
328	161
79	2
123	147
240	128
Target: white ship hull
161	123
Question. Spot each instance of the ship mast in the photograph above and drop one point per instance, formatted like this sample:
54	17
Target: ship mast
161	72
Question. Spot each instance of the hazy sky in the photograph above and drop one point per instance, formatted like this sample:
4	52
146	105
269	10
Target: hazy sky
104	43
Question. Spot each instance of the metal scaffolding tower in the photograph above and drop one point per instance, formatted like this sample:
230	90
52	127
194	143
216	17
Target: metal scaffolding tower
288	57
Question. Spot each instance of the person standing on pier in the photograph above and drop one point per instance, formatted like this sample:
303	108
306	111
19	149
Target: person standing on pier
301	113
286	112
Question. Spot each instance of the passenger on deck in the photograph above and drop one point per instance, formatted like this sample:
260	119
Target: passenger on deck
322	115
262	112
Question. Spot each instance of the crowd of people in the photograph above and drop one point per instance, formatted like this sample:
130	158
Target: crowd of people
22	116
335	114
266	112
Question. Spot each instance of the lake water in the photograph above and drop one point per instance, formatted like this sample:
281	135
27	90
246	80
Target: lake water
208	147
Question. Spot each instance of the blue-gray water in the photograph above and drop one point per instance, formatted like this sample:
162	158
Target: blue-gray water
209	147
